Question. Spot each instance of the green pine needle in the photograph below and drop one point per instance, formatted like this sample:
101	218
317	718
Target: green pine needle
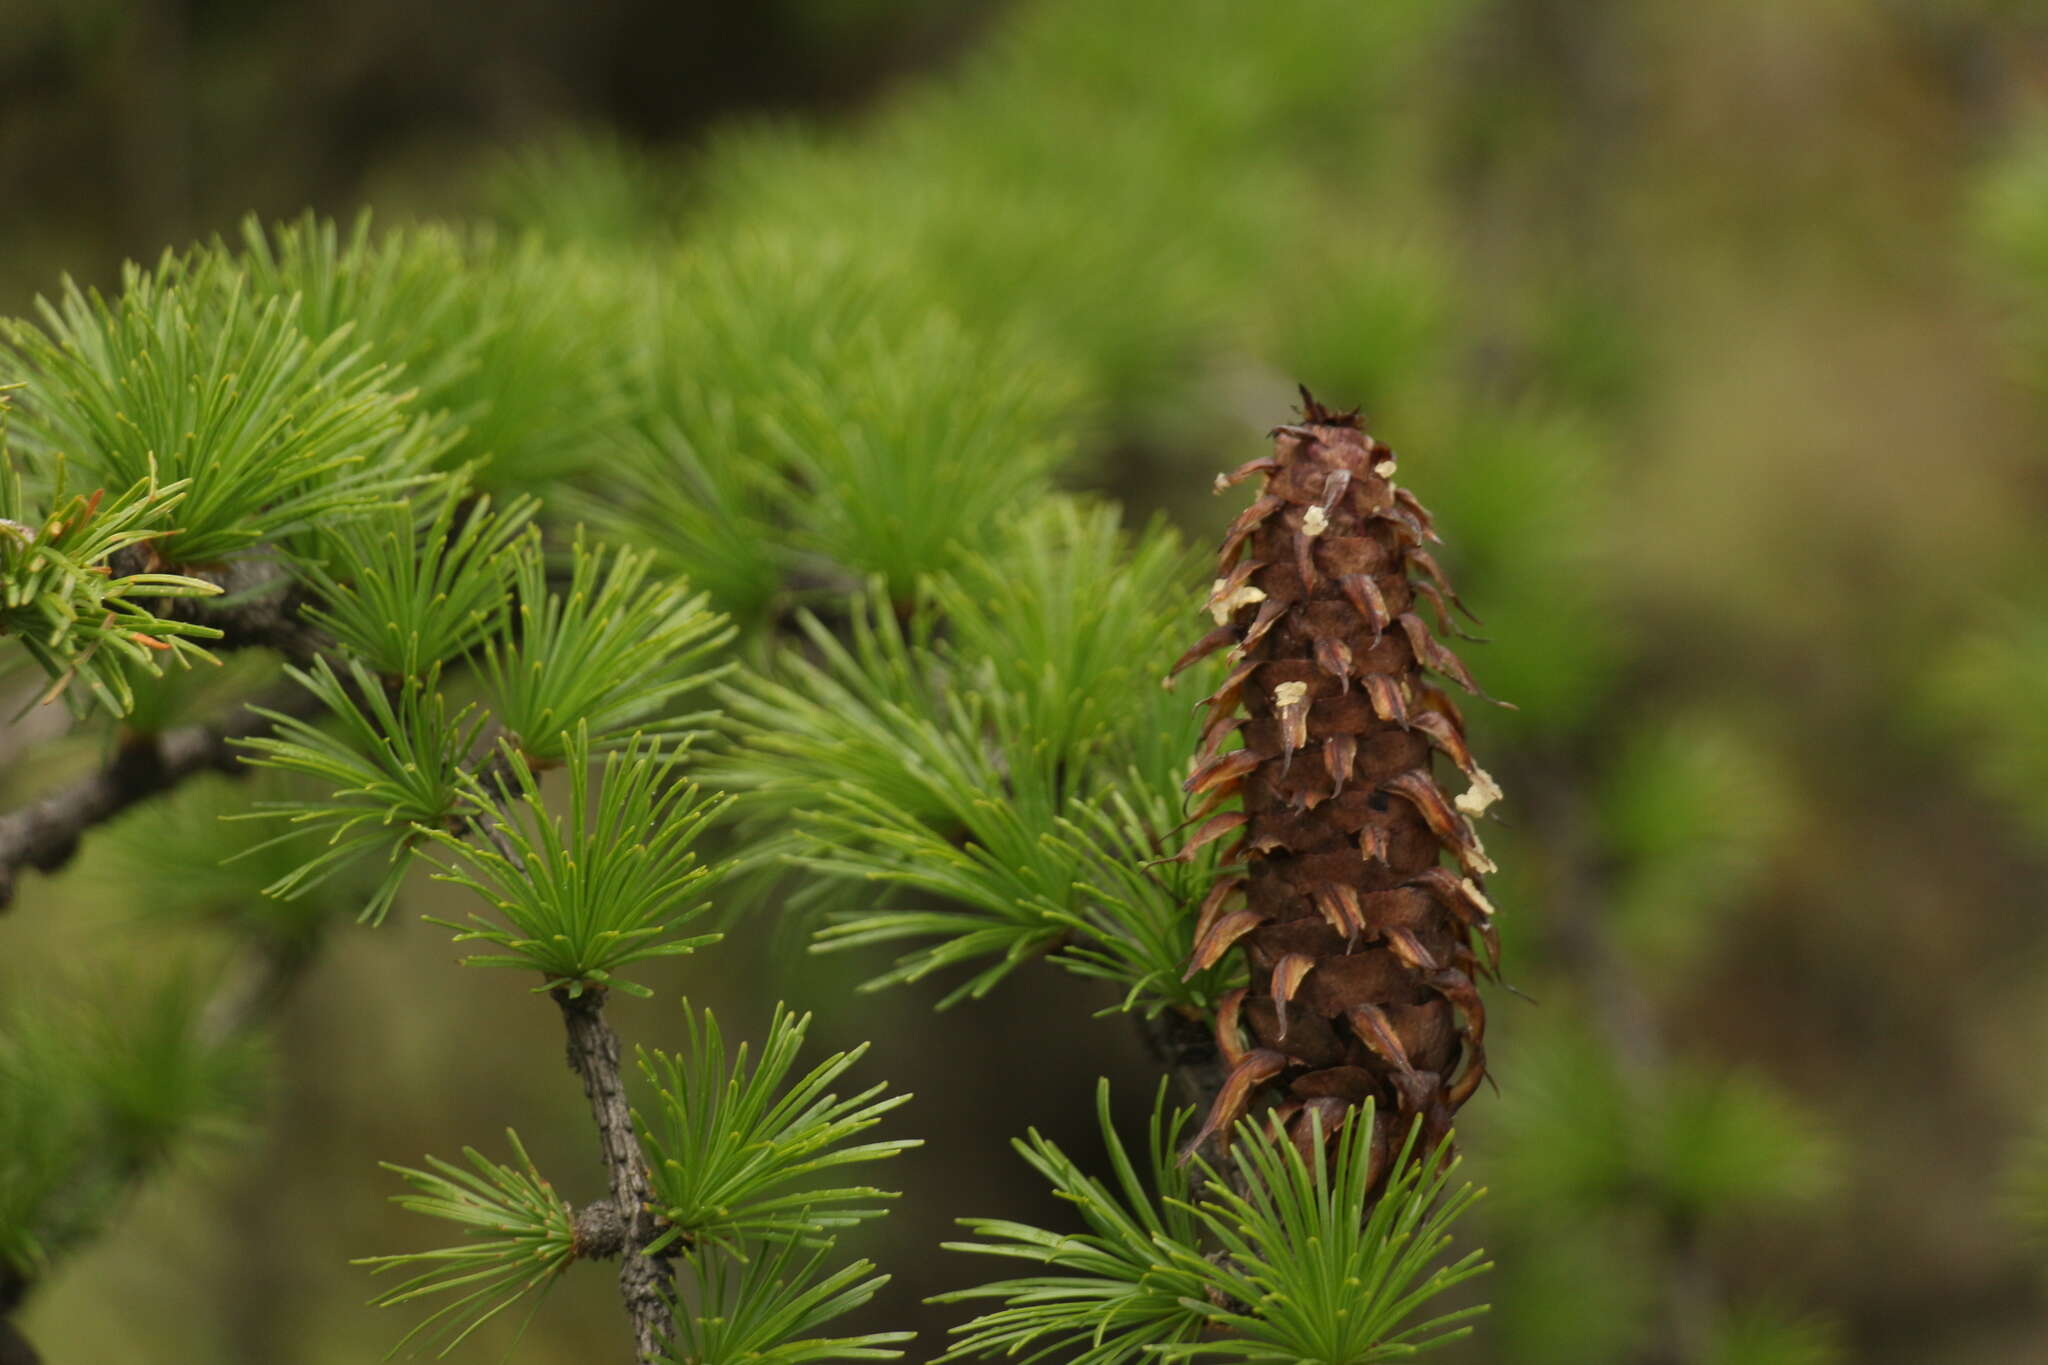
715	344
402	294
1019	780
182	374
541	403
580	899
608	655
392	767
733	1149
1128	1286
914	445
1138	905
512	342
60	599
521	1237
1281	1263
406	592
1082	620
1308	1281
1005	885
754	1310
800	412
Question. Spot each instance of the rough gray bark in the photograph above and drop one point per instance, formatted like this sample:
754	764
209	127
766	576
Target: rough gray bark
258	607
645	1282
600	1235
260	610
45	834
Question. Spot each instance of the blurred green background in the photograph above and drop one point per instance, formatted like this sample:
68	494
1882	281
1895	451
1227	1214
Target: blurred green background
1717	339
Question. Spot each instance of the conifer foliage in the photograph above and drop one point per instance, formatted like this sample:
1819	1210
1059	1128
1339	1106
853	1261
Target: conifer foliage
1287	1257
980	735
740	593
411	659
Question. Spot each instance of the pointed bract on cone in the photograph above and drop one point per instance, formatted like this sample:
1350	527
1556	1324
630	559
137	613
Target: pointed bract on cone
1353	884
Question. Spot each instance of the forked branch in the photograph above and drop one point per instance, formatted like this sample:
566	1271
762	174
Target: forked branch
645	1282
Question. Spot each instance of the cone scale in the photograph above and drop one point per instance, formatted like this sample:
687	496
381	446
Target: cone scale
1352	883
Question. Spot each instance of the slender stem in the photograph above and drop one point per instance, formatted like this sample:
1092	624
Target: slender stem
261	610
1186	1047
645	1282
45	834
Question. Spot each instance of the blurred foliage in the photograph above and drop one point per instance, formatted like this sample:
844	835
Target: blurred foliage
1034	672
1582	1134
1972	693
200	867
99	1088
1972	698
2012	220
1661	308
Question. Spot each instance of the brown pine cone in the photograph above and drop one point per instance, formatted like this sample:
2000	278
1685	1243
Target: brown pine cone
1354	883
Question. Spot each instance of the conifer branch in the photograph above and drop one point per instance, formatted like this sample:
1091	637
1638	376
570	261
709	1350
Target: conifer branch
624	1225
45	834
542	891
645	1282
258	605
600	1232
258	608
1186	1047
